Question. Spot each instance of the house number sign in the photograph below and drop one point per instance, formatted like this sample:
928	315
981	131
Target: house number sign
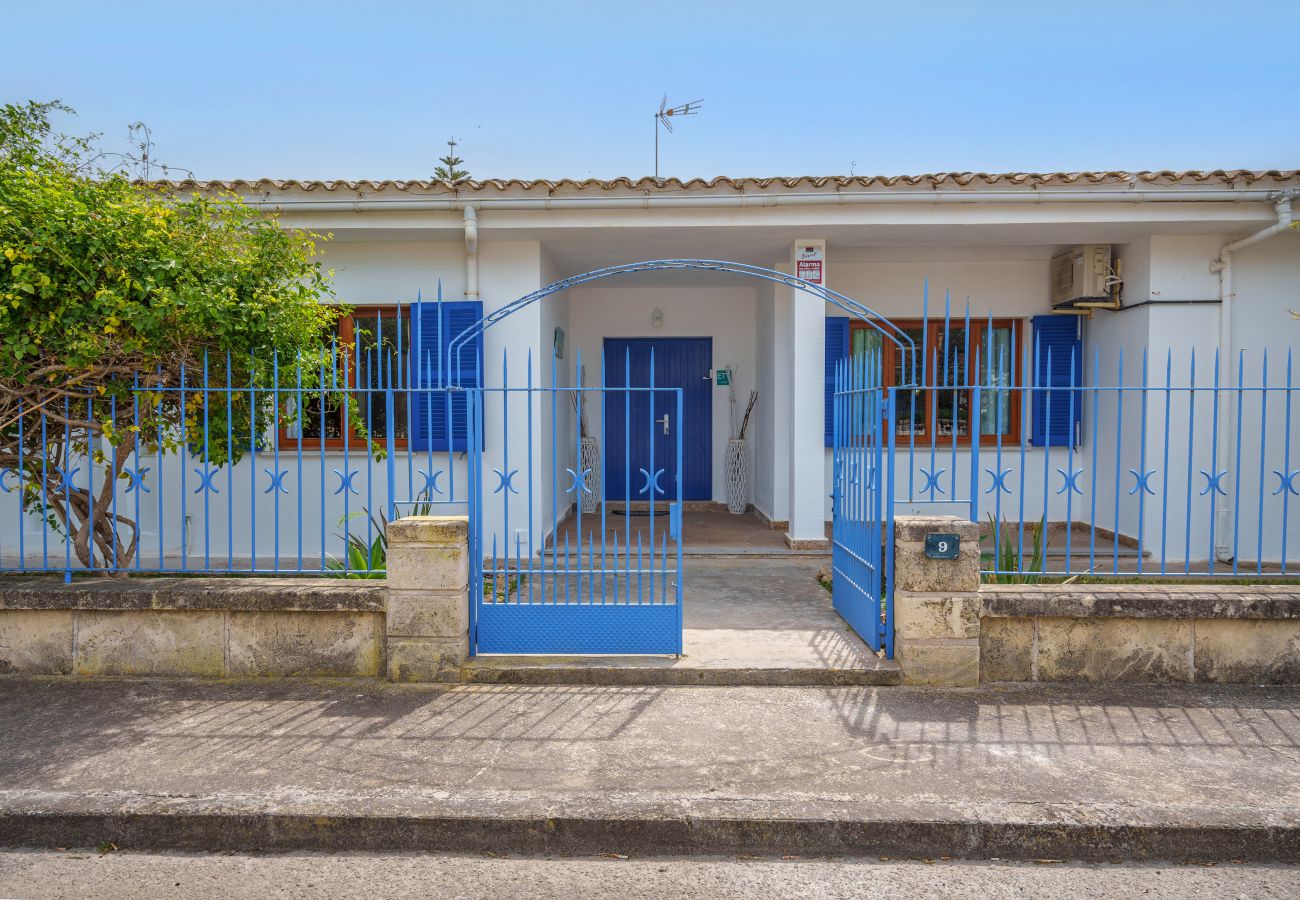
942	546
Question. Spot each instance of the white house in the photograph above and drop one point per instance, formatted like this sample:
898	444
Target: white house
1162	262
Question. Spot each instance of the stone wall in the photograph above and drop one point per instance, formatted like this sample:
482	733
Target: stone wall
951	630
1236	634
214	627
411	626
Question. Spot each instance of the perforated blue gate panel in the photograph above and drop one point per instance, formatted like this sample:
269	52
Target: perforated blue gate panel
578	628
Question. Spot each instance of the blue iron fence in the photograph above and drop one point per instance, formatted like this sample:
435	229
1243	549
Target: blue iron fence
1077	459
285	468
1098	461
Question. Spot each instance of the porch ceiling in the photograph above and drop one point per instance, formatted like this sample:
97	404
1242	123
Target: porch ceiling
580	250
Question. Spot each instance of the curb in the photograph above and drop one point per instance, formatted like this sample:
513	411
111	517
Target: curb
240	831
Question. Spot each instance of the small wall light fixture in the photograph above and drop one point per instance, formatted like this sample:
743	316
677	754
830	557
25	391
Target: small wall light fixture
657	318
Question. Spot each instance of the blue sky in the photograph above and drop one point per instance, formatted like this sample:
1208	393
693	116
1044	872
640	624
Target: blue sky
546	90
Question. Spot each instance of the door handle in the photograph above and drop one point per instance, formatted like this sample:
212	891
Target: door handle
664	421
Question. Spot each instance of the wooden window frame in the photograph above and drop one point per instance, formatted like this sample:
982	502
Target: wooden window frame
351	440
933	348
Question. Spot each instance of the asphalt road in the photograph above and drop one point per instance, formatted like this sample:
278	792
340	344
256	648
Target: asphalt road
81	873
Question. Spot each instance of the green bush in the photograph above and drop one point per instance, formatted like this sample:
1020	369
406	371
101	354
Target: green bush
103	277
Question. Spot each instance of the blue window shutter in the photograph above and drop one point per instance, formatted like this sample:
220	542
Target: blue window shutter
837	349
1058	363
435	412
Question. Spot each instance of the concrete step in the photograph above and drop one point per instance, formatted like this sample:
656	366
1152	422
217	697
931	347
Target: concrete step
670	671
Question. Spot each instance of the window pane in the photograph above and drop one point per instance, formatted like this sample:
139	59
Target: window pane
865	339
995	380
380	364
951	407
910	411
307	426
948	357
952	412
311	419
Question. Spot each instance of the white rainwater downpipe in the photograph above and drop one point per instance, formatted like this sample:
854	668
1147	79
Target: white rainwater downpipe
1282	201
471	253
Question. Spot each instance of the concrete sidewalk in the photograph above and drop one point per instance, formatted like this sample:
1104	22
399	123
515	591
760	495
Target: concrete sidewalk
1019	772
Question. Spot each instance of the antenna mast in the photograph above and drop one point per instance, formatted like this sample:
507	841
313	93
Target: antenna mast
664	117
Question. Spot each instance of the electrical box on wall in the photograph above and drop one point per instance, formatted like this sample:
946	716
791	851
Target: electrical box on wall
1081	273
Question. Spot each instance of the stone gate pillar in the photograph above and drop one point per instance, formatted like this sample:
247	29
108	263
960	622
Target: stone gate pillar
937	602
428	598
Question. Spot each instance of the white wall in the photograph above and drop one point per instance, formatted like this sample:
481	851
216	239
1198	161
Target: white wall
1182	315
1006	287
725	314
1266	280
509	270
1108	339
762	433
781	363
1180	267
384	272
557	448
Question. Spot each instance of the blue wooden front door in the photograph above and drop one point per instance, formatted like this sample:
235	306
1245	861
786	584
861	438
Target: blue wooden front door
641	427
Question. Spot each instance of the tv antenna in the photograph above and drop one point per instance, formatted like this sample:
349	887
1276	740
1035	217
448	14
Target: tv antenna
665	116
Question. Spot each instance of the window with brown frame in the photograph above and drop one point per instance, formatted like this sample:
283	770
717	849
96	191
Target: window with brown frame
951	357
371	354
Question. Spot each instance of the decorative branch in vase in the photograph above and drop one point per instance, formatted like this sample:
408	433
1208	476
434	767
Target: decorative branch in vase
588	450
737	459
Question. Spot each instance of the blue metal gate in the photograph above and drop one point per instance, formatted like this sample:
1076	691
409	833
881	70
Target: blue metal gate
605	575
862	500
556	565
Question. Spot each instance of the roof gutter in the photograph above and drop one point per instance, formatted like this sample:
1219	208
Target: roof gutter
671	201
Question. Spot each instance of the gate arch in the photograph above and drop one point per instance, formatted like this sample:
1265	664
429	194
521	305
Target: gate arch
888	330
862	470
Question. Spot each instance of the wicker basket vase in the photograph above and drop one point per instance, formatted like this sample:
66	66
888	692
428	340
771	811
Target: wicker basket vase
589	457
737	475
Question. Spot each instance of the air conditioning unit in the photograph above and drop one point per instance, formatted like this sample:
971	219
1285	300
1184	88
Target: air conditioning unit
1081	274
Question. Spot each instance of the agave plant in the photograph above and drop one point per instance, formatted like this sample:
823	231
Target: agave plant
1010	566
369	559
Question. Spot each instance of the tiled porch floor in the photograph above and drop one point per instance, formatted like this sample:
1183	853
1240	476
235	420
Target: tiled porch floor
703	530
716	532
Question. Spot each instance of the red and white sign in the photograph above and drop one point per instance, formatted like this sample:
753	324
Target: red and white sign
808	264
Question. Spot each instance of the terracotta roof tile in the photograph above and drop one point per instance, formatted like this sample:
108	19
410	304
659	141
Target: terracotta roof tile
938	180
